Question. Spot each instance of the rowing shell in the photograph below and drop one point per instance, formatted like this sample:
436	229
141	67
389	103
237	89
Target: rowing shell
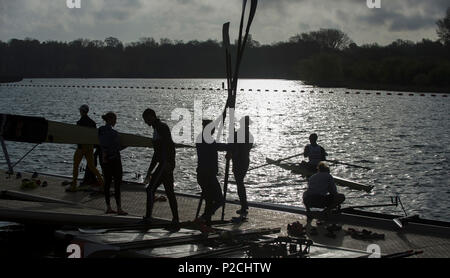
39	130
301	170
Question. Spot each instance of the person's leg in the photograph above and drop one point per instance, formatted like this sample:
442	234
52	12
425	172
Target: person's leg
335	201
205	183
307	203
118	175
216	194
77	157
239	177
89	155
108	171
154	183
170	192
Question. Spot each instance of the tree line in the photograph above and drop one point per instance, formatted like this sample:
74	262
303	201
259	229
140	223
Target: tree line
326	57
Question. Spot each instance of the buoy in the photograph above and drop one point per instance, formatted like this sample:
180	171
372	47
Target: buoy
293	91
311	92
399	94
433	95
388	94
259	90
357	93
367	93
284	91
378	93
422	95
347	93
411	94
331	92
275	90
250	90
267	90
444	95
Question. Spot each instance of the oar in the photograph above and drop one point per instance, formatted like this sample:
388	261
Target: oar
231	100
348	164
275	161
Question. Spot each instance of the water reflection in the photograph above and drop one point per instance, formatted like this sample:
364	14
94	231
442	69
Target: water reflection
404	139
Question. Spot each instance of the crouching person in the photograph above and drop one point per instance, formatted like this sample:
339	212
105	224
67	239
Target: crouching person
322	192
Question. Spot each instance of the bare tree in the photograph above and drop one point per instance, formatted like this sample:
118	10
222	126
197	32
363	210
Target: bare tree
443	30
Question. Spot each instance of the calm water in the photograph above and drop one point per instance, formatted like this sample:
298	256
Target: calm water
404	139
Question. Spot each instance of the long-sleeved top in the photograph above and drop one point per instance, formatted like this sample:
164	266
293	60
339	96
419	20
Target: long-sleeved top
241	152
109	142
321	183
87	122
207	157
163	146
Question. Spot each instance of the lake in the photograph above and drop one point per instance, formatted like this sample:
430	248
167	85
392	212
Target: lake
404	139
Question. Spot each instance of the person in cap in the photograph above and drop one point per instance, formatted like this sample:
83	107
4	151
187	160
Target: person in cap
322	191
112	164
85	150
314	152
241	160
161	167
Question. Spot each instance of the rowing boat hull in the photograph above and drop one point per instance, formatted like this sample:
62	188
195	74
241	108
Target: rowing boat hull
39	130
296	168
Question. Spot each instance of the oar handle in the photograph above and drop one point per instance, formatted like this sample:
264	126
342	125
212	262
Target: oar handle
275	161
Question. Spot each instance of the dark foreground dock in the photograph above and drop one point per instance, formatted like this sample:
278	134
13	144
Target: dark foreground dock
79	217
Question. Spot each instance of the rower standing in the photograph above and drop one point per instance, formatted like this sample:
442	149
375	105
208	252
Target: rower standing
314	152
162	166
111	160
85	150
207	170
241	161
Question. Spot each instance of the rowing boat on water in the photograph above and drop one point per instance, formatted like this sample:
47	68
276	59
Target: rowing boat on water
300	169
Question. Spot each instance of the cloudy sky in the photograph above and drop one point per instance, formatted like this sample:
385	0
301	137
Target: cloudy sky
276	20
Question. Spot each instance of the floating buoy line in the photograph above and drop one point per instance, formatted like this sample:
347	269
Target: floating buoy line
207	89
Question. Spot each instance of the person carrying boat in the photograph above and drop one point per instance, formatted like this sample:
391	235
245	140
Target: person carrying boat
207	170
322	191
112	163
314	152
162	165
86	151
241	161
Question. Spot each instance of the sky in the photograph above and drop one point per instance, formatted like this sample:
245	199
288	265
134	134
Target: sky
275	20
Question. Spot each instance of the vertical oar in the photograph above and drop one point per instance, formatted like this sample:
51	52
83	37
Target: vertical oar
226	44
231	101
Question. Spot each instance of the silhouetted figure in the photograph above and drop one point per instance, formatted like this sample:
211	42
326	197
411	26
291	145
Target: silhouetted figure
112	163
162	165
314	152
322	191
207	170
241	161
86	151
